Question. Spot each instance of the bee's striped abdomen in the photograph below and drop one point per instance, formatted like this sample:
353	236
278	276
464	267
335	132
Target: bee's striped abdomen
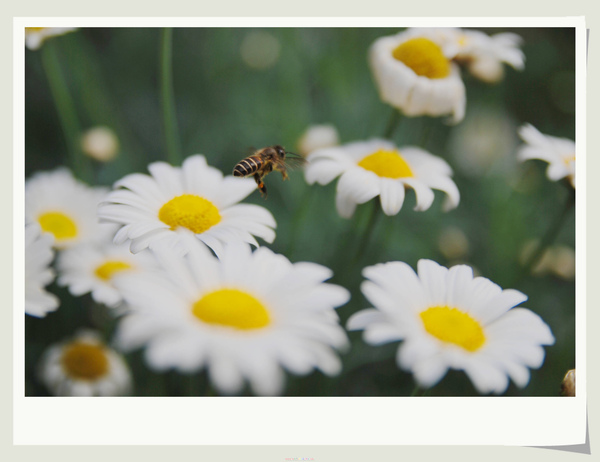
248	166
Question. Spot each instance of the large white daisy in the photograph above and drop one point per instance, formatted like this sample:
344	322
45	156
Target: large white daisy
244	316
414	72
93	268
64	207
195	198
558	152
84	366
38	274
448	319
378	168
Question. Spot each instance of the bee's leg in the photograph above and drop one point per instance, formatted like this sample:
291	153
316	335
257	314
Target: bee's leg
261	186
284	174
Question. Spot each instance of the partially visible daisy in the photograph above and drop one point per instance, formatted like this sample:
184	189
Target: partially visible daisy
317	137
245	316
38	274
194	198
378	168
64	207
485	55
35	36
414	72
558	152
448	319
93	268
84	366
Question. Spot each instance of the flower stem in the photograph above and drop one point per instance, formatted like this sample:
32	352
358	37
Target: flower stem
550	236
392	124
67	114
367	233
168	98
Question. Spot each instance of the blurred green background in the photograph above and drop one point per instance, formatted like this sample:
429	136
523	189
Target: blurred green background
226	105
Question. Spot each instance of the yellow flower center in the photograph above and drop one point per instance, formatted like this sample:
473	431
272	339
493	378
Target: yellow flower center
388	164
85	361
453	326
189	211
34	29
109	268
231	308
424	57
59	224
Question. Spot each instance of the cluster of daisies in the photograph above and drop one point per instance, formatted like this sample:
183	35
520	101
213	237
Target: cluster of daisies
177	256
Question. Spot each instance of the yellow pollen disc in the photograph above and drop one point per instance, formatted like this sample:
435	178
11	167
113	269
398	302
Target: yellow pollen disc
424	57
231	308
109	268
189	211
453	326
58	224
84	361
34	29
388	164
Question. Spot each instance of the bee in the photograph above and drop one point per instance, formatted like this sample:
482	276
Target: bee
264	161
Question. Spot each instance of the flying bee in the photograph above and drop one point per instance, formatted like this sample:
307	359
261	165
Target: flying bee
264	161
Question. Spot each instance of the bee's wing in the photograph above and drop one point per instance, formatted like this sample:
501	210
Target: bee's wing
293	161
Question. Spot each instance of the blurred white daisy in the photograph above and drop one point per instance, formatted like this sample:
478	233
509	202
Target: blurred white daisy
244	316
448	319
316	137
64	207
100	143
175	201
93	268
485	55
414	72
35	36
558	152
38	274
378	168
84	366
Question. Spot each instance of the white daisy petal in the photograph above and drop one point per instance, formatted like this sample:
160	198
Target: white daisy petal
38	257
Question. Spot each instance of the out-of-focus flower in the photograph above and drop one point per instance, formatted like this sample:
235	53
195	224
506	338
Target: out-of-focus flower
35	36
558	152
93	268
244	316
448	319
260	49
376	167
84	366
414	72
100	143
64	207
38	274
568	384
453	242
559	260
174	201
317	137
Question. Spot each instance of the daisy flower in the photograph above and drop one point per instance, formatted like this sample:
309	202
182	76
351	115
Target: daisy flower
100	143
84	366
244	316
378	168
485	55
558	152
64	207
448	319
174	201
35	36
414	72
93	268
316	137
38	274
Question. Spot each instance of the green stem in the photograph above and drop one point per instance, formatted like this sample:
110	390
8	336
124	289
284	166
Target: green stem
67	113
367	233
550	236
392	124
168	98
